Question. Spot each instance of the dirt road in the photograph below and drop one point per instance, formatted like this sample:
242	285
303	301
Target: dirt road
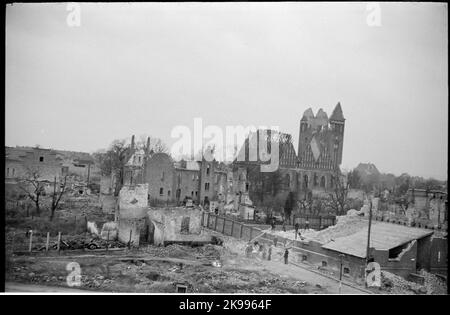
20	287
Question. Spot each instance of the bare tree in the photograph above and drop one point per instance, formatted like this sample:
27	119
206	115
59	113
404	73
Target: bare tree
338	197
33	187
305	204
56	196
112	162
156	145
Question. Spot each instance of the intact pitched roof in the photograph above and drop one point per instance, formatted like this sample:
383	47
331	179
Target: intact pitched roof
337	113
383	236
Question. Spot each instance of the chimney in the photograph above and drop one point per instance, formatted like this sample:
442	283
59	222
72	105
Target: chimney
147	148
132	142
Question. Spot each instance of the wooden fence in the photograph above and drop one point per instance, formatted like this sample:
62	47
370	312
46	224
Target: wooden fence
230	227
316	222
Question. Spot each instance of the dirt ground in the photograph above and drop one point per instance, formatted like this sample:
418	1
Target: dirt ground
206	269
152	269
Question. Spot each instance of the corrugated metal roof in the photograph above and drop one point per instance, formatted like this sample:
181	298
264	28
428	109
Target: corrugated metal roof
383	236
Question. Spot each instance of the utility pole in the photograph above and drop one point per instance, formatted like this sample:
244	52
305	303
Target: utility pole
340	273
368	236
89	172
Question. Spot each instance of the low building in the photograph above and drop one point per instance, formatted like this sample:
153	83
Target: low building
398	249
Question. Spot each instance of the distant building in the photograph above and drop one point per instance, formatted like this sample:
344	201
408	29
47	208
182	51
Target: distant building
80	165
367	169
19	161
432	204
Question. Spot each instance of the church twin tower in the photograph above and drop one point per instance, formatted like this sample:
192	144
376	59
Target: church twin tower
321	139
320	147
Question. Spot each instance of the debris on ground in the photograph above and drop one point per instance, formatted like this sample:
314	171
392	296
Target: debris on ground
394	284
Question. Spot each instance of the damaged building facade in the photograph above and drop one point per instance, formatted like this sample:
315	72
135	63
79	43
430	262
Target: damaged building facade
77	167
138	224
429	204
220	187
312	169
169	181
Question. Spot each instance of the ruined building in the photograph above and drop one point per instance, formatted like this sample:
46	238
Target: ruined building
311	169
320	147
21	162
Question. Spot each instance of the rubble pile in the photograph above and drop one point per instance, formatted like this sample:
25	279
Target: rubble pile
397	285
345	225
209	251
290	234
247	282
173	250
434	284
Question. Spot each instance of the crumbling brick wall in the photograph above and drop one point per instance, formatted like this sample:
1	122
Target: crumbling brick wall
168	225
133	205
160	176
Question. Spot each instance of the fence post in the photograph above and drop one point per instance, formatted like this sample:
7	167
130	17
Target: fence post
232	227
12	242
59	242
223	227
129	242
48	241
107	241
240	233
31	240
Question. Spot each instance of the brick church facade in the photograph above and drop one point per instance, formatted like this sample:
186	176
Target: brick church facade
315	164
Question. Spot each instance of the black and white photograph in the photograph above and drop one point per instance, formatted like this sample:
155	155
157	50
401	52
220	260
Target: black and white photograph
232	150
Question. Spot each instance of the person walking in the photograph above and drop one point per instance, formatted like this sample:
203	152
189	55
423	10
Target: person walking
263	251
286	255
272	223
296	226
269	252
248	250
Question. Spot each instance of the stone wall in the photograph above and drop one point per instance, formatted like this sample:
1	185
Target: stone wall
108	203
187	184
133	198
168	225
133	205
130	225
160	174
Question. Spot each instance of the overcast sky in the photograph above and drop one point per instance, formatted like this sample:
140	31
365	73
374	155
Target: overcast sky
146	68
